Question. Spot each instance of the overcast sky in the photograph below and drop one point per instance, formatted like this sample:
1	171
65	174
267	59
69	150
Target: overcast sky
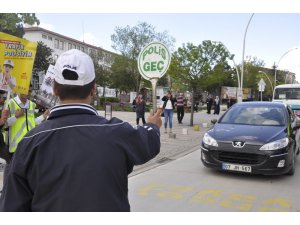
269	35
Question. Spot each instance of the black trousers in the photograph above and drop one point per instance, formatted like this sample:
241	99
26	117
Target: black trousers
138	120
180	114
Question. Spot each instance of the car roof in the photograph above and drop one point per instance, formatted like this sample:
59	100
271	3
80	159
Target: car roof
261	103
288	86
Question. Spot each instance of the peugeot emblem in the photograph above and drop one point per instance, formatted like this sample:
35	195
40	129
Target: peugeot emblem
238	144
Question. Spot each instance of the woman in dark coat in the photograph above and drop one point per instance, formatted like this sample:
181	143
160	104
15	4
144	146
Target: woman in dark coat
140	109
217	105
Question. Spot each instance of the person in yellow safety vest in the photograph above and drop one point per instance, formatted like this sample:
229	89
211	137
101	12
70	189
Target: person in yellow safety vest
21	119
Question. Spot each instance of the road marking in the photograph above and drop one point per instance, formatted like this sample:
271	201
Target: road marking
276	204
206	196
218	197
239	202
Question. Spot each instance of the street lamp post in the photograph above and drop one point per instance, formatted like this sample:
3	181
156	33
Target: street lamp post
262	72
275	70
242	72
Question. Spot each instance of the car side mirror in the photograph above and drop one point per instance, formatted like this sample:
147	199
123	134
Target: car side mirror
213	121
297	124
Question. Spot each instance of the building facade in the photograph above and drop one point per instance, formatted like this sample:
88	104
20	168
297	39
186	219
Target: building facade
60	43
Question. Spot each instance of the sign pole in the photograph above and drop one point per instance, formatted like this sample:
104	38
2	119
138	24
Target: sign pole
154	100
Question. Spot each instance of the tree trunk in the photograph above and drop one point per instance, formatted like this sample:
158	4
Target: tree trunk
192	109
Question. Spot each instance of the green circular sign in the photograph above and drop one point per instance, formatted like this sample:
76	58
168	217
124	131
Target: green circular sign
154	60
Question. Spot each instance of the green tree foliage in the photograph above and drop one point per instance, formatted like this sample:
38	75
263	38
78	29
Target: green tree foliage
43	57
12	23
130	41
102	71
193	66
251	76
121	77
222	75
102	75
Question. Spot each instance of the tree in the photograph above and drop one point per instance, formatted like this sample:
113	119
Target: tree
129	41
251	76
192	64
12	23
43	57
102	71
121	77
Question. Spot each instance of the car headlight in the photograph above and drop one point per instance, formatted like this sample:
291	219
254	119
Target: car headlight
281	143
208	140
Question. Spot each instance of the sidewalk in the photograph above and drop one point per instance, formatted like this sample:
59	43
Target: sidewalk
173	148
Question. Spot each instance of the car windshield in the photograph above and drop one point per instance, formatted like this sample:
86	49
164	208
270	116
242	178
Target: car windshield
254	115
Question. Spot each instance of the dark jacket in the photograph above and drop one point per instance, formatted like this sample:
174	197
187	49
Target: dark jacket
77	161
165	100
140	109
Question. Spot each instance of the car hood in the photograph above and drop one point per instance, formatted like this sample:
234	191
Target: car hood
247	133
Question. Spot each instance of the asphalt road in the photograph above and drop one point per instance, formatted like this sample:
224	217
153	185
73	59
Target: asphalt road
185	185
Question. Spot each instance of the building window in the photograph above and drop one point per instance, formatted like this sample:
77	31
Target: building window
82	49
56	43
61	45
44	36
36	85
50	38
69	46
74	46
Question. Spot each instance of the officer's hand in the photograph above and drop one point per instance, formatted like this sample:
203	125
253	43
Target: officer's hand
46	113
156	118
19	113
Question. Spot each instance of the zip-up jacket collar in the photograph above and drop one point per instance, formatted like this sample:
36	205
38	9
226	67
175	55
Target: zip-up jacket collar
68	109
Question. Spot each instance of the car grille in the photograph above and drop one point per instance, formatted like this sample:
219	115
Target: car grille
237	157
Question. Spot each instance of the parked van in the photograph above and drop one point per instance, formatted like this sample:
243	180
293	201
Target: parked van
289	94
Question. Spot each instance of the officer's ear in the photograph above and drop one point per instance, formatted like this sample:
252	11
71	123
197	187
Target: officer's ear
54	89
94	90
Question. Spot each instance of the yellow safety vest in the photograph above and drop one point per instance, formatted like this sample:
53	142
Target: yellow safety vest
22	125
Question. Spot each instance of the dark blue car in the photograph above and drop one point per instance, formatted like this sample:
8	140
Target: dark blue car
253	137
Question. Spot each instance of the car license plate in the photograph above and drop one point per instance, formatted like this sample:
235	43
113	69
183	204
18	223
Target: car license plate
236	167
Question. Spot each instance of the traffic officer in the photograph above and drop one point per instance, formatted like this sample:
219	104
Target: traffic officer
77	160
21	119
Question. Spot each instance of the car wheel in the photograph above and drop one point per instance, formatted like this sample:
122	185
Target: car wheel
292	170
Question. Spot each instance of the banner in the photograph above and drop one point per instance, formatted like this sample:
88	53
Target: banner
46	86
16	61
228	92
44	96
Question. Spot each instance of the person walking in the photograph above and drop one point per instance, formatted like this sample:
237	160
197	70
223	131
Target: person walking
180	107
168	107
209	102
134	104
217	105
77	160
140	109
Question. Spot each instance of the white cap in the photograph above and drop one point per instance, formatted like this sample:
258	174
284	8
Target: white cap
77	61
9	62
